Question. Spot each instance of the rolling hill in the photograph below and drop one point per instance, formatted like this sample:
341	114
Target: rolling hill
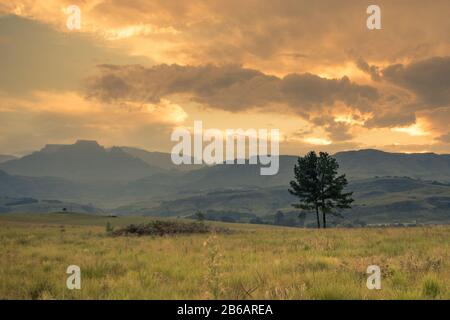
39	187
134	181
158	159
370	163
377	200
21	205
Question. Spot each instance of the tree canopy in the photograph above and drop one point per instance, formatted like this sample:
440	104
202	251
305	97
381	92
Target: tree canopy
318	186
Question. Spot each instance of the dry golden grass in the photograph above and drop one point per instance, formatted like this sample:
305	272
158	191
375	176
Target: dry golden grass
254	262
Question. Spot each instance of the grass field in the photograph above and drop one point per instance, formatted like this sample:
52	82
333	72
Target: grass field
252	262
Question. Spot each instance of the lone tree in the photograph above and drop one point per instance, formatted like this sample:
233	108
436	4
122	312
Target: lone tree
318	186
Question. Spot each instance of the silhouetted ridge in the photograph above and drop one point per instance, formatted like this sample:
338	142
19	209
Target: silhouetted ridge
83	160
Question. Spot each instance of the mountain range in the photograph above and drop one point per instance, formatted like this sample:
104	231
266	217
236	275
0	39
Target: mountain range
82	161
127	180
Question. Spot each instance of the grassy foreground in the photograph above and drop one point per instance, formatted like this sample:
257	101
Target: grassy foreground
253	262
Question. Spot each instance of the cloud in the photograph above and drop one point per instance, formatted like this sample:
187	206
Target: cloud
259	36
35	56
445	138
228	87
313	91
294	53
339	131
389	119
438	119
429	79
372	70
63	117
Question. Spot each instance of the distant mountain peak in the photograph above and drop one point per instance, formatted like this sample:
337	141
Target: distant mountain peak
87	145
83	160
363	151
50	148
81	142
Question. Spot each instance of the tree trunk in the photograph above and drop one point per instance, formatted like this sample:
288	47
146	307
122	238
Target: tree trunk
318	218
324	219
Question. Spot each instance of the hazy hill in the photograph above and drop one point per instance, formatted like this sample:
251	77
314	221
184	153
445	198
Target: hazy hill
5	157
377	200
45	187
86	160
258	201
355	164
82	161
105	194
158	159
21	205
370	163
144	182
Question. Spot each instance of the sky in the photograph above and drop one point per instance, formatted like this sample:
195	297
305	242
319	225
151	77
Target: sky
137	70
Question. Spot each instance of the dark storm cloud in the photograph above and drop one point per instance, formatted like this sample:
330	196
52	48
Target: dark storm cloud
429	79
311	90
228	87
391	119
338	131
372	70
439	118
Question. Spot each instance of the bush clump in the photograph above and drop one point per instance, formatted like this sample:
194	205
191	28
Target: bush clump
161	228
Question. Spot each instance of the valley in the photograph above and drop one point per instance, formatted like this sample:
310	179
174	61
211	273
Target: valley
85	177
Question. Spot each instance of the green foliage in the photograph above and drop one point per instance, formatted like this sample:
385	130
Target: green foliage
430	288
318	185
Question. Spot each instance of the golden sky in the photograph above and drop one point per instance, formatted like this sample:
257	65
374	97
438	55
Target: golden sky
138	69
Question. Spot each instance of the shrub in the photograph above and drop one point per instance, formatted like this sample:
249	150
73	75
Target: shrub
161	228
430	288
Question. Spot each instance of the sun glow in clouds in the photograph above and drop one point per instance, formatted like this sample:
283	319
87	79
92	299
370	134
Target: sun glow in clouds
167	111
414	130
350	119
137	30
317	141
